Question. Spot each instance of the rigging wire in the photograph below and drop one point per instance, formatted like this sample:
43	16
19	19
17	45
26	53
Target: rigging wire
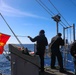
63	24
72	2
11	30
7	56
48	10
58	11
44	8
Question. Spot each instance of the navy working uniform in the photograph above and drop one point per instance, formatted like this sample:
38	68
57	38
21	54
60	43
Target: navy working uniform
73	53
73	49
55	44
41	46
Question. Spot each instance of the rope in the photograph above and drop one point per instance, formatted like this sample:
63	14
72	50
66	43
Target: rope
7	57
45	8
19	36
11	30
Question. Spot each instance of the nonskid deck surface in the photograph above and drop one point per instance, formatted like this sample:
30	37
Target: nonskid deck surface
49	71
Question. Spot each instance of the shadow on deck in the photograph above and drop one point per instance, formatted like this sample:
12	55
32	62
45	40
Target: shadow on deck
56	72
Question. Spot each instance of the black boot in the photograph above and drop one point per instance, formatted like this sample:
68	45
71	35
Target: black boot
62	70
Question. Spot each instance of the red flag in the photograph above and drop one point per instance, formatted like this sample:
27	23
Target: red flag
3	39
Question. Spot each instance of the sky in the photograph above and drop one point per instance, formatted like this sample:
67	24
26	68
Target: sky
28	17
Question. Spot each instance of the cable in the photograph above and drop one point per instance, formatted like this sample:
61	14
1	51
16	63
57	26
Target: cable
44	8
19	36
58	11
72	2
48	10
11	30
63	24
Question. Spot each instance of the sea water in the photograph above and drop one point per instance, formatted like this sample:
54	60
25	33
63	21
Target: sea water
5	65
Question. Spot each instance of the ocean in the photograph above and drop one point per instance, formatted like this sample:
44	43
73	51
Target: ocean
5	65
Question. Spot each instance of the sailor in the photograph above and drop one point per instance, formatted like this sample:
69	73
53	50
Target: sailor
55	44
73	53
42	42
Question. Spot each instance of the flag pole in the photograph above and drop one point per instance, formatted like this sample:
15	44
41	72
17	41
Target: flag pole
12	31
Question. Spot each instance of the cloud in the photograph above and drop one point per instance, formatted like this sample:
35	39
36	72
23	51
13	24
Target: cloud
10	11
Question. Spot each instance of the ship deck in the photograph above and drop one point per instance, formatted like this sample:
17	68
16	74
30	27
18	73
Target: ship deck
31	61
49	71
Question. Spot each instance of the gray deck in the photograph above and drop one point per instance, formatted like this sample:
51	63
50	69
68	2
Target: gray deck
51	72
29	65
55	72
